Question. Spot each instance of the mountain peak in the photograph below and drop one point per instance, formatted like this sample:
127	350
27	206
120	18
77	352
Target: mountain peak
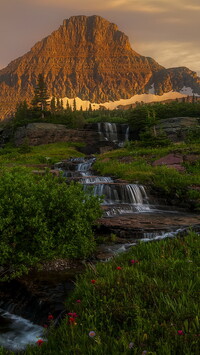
87	57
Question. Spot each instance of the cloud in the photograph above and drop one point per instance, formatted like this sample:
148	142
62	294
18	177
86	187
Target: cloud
172	54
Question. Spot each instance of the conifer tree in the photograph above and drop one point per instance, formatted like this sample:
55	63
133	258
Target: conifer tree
74	105
40	100
53	104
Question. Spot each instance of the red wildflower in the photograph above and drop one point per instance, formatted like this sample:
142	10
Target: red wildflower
78	301
50	317
180	332
40	341
73	314
93	281
118	268
72	320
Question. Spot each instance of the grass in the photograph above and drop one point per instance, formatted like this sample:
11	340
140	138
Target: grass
151	305
43	154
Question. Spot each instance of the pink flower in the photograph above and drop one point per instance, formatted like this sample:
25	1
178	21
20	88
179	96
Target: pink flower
134	261
78	301
180	332
118	268
39	342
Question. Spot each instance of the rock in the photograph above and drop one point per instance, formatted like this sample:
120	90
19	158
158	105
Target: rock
136	225
176	128
172	161
45	133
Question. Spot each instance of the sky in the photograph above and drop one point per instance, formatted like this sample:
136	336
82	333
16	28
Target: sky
166	30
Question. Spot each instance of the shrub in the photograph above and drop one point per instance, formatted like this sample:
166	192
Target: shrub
42	218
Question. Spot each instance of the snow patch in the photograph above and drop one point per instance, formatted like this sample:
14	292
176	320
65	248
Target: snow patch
187	90
146	98
152	89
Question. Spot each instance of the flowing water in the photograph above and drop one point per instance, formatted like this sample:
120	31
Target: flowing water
16	332
113	132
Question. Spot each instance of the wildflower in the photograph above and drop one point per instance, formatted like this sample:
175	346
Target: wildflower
144	352
118	268
92	334
72	320
78	301
134	261
39	342
180	332
131	345
93	281
50	317
73	314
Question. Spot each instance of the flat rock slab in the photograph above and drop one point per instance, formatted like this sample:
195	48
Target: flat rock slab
150	221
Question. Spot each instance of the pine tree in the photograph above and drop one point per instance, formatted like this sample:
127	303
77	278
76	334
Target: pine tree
40	100
61	104
53	104
58	104
22	112
68	106
74	105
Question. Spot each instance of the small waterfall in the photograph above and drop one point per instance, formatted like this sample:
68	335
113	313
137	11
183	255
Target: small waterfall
121	193
86	165
27	332
127	133
119	198
96	179
108	131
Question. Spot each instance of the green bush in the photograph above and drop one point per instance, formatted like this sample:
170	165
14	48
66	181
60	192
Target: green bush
43	218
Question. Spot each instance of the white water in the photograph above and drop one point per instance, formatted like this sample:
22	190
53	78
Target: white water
112	250
112	132
18	332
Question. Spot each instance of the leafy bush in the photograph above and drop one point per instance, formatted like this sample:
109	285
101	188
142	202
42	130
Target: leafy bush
42	218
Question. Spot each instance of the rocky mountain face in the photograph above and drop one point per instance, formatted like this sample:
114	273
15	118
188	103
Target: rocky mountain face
87	57
175	79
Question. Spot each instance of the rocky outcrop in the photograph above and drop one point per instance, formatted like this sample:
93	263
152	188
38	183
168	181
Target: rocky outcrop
45	133
172	161
87	57
176	128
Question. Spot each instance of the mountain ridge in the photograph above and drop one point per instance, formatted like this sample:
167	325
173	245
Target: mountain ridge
90	58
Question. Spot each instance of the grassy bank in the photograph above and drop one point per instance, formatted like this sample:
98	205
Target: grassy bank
144	300
43	154
134	164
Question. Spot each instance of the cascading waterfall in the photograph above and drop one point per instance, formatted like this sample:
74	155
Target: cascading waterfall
112	132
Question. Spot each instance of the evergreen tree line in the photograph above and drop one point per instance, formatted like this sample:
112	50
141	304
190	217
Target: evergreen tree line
142	117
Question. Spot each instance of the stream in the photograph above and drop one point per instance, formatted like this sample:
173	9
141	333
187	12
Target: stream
129	212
